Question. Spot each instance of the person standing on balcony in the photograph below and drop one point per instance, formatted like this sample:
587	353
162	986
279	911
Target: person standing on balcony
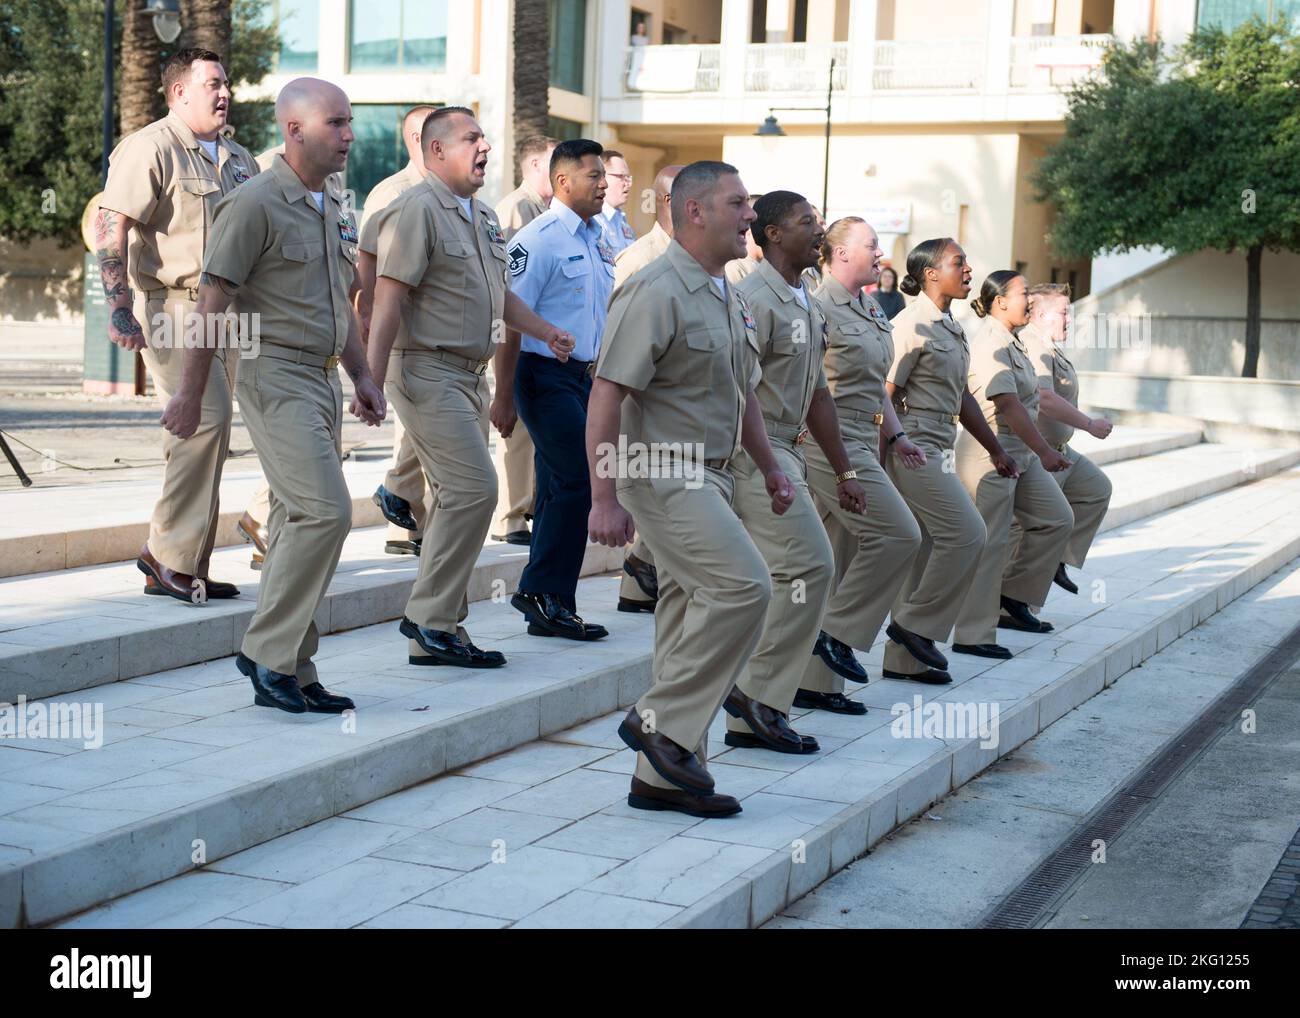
164	183
873	551
1003	378
401	497
887	296
640	587
1086	487
514	453
927	384
792	390
613	223
636	56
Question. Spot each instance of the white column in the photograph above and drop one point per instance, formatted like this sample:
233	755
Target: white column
862	45
615	33
997	53
735	44
331	62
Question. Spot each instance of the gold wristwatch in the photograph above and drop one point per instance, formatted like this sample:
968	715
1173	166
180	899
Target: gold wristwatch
848	475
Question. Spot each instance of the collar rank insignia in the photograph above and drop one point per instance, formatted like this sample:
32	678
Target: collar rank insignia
347	232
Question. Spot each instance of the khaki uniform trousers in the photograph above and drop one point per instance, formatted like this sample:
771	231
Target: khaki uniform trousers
873	552
1088	491
952	537
629	589
514	462
294	413
184	523
259	506
405	479
802	565
714	590
444	409
1035	501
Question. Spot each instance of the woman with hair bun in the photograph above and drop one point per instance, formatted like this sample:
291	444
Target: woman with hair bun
927	384
1005	381
873	550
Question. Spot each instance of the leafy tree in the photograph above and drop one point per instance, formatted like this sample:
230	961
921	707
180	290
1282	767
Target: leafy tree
1185	149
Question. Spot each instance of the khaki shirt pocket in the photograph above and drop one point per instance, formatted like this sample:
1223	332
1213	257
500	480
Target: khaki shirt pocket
196	198
300	258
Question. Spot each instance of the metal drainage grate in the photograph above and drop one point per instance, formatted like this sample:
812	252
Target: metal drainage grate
1028	902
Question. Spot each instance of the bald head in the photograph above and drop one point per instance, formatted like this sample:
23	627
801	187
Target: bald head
412	125
663	197
315	118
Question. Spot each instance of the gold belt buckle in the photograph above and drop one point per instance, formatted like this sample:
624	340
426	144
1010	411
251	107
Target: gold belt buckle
331	363
802	437
956	418
877	419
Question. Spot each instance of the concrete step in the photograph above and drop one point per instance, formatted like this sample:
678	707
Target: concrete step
72	526
69	630
191	766
67	527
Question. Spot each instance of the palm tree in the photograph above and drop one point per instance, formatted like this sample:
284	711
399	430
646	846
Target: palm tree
532	71
141	100
207	26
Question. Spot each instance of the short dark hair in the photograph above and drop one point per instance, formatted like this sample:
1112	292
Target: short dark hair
572	152
771	210
433	123
696	180
179	63
535	145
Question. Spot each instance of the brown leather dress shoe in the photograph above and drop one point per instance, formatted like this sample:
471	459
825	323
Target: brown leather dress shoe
218	590
671	762
646	796
256	534
181	586
768	726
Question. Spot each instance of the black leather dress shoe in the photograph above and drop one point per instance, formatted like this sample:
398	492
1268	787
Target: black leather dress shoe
839	657
547	616
982	650
272	689
1018	616
396	509
673	763
411	547
836	703
626	604
768	728
646	576
920	647
1062	580
931	676
443	648
647	796
522	537
321	701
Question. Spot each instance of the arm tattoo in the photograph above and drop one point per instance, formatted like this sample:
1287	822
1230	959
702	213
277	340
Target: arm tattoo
220	282
124	322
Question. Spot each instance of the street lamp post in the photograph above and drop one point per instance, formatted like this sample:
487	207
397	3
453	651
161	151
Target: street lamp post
771	129
166	25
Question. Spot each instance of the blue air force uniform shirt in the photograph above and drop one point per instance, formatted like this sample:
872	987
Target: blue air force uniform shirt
618	231
563	269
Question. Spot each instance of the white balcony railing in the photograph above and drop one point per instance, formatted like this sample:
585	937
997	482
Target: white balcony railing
673	68
795	67
929	65
1045	63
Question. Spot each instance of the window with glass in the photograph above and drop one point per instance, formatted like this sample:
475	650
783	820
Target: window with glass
296	24
563	130
378	150
398	35
568	52
1228	14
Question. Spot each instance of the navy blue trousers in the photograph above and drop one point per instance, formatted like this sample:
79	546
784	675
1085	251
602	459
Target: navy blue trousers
551	399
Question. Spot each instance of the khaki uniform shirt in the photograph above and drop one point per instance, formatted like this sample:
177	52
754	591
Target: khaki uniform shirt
267	158
162	178
1054	372
294	264
740	268
931	362
519	208
380	197
639	254
859	346
687	353
1000	365
455	265
791	345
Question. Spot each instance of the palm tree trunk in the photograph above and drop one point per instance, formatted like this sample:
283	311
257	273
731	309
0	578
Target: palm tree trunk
1254	259
141	64
207	26
532	71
